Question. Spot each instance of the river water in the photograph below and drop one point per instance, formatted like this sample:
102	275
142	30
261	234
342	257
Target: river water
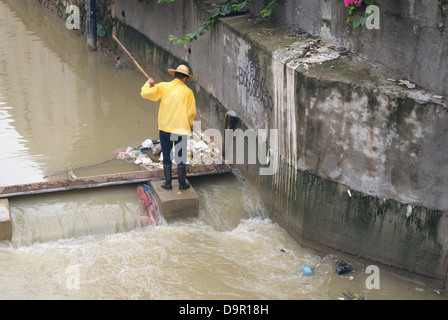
64	107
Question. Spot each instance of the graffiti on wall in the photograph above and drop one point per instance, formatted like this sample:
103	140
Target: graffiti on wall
250	77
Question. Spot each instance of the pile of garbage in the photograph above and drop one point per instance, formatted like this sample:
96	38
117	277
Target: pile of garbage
200	150
142	154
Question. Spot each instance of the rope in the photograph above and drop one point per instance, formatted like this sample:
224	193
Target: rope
83	167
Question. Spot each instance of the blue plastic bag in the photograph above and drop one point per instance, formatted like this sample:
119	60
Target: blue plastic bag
307	270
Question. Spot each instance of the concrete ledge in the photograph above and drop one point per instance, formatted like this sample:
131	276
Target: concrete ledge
176	204
5	221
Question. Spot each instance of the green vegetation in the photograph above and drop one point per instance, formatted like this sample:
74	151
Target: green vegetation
353	6
224	9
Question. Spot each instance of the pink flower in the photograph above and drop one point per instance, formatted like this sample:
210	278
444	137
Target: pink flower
355	2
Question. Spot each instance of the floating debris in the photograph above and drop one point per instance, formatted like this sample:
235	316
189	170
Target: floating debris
148	144
307	270
351	296
200	150
342	267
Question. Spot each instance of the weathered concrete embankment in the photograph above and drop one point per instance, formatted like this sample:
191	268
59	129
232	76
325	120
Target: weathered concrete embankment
363	161
412	39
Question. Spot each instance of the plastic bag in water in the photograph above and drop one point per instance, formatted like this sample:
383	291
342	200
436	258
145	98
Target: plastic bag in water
306	269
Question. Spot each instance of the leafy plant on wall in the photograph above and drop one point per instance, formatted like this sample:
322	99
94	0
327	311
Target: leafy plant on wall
224	9
228	7
353	7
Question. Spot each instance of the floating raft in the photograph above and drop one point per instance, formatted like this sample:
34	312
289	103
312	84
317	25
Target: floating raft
134	177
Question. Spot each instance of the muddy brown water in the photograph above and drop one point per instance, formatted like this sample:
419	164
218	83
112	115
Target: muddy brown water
64	107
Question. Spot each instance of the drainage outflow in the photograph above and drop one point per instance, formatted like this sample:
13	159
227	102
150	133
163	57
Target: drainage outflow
5	221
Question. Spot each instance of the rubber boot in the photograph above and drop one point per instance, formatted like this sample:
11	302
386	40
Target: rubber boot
168	176
181	176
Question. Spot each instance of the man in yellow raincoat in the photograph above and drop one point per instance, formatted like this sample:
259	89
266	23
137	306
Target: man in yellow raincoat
176	114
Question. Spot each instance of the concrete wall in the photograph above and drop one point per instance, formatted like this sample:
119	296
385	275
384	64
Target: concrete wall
342	127
412	40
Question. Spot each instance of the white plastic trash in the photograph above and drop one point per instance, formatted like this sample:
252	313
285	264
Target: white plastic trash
130	152
147	144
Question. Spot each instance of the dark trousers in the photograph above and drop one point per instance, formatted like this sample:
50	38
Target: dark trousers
167	140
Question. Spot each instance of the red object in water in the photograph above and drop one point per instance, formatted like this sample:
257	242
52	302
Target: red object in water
149	205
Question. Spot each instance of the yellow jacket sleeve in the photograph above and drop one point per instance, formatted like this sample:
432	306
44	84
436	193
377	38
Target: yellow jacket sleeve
149	93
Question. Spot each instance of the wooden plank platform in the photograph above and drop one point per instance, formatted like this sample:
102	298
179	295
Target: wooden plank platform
105	180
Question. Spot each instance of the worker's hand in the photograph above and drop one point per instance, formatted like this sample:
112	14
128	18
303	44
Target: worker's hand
151	82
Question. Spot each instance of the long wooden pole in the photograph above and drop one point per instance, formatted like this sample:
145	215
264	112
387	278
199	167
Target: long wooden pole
130	56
